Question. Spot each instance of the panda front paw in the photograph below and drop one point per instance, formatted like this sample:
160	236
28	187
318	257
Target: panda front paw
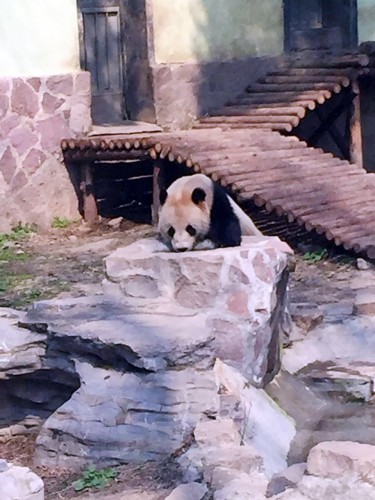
205	245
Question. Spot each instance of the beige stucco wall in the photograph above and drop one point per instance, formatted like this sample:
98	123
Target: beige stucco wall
366	20
196	30
38	37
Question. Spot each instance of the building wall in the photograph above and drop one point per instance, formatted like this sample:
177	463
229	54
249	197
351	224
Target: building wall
203	30
38	37
44	97
366	20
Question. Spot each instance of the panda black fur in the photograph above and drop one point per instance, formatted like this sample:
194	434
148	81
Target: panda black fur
195	209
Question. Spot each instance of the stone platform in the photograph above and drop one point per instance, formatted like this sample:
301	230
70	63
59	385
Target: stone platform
135	364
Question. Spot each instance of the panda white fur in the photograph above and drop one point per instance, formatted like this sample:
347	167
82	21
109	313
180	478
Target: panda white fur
194	208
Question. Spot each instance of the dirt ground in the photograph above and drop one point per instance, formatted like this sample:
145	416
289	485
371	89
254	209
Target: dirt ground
69	262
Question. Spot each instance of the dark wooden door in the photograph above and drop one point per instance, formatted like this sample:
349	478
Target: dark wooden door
320	25
103	55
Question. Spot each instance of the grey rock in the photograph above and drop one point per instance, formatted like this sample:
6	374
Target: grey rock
21	351
266	426
246	487
333	459
242	290
189	491
218	432
288	478
342	383
316	488
341	343
119	417
20	483
365	301
363	265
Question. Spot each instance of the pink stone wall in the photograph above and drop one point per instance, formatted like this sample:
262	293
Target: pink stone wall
35	114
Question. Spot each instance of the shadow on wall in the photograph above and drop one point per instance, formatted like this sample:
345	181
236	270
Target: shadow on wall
231	45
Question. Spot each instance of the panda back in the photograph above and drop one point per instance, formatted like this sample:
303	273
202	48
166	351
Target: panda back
225	229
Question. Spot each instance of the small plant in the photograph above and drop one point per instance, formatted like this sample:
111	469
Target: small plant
61	222
18	233
93	478
315	256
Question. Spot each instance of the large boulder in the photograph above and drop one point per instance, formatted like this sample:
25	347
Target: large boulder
129	374
240	290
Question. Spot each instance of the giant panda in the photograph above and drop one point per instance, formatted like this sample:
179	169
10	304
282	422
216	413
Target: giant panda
194	209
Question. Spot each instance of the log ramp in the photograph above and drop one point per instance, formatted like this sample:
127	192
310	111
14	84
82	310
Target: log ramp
240	146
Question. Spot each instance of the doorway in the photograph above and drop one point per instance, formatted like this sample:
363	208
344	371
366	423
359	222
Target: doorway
102	54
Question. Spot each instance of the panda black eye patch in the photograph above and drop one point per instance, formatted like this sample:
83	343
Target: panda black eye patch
171	232
191	230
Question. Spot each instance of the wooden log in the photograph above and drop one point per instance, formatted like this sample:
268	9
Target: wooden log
268	119
335	214
298	111
273	169
108	155
345	61
157	185
165	151
341	80
292	102
349	235
227	156
305	190
295	87
348	72
287	127
356	150
365	244
90	209
267	187
282	97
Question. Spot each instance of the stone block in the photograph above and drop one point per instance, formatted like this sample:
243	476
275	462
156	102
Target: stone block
288	478
241	290
339	382
217	432
189	491
25	100
18	483
365	301
333	459
117	417
8	164
246	487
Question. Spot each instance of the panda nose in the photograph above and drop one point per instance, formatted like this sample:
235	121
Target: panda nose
182	249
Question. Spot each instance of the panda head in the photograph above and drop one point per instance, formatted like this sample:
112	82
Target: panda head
184	218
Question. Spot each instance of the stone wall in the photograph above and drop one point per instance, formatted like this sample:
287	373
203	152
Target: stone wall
185	91
35	114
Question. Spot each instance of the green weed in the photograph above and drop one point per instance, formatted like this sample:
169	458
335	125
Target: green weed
93	478
61	222
315	256
17	233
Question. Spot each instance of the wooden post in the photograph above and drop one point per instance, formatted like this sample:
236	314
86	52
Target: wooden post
157	185
356	153
90	209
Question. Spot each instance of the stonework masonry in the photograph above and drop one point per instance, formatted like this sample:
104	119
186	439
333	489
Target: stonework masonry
35	114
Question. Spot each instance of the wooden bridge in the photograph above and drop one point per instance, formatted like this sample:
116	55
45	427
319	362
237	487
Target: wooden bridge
245	147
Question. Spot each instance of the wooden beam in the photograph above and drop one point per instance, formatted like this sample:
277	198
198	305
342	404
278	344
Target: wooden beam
158	183
90	209
356	151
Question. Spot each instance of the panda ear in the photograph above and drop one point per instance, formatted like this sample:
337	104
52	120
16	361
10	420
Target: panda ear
198	195
163	196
